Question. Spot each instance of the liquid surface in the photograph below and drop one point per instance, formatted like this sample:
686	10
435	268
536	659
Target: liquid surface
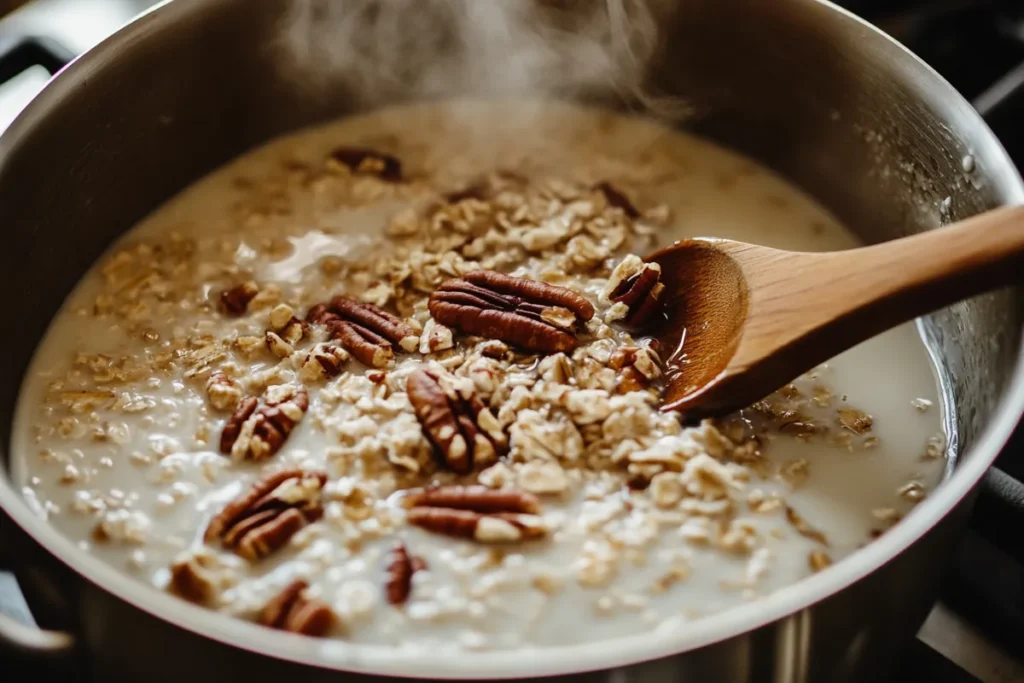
117	433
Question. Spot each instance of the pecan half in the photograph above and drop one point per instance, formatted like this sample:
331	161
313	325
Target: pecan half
529	314
292	610
461	428
257	430
618	199
263	519
476	512
364	330
636	286
370	162
500	527
399	570
236	300
475	498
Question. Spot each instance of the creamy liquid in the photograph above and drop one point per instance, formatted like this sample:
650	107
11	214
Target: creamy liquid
177	481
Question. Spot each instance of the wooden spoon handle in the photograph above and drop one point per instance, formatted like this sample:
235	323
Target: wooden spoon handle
807	308
944	265
885	284
846	297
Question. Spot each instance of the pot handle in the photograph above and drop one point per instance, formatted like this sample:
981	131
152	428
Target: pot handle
18	54
986	581
30	61
999	512
28	639
32	640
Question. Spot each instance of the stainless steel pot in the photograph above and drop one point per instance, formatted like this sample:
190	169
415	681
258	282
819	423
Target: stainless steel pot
804	87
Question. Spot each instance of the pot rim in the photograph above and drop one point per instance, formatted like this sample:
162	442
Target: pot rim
675	638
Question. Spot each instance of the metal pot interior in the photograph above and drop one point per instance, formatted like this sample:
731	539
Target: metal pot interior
801	86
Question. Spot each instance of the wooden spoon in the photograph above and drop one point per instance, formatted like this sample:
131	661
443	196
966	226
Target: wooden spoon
740	320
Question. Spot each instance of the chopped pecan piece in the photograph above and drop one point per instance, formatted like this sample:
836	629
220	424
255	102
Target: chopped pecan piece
436	337
529	314
323	360
398	575
285	331
364	330
263	519
461	428
277	346
286	325
370	162
638	367
637	287
257	430
292	610
500	527
495	349
617	199
236	300
196	576
475	498
222	391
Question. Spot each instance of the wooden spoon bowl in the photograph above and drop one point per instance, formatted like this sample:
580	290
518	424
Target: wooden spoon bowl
741	320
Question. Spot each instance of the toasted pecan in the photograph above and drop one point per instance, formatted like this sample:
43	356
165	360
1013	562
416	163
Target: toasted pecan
475	498
399	570
532	315
235	301
258	428
294	611
637	286
477	513
460	427
364	330
269	513
500	527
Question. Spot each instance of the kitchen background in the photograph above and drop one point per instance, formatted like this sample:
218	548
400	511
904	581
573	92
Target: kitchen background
976	632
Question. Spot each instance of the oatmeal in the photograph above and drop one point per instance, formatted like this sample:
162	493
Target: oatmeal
388	381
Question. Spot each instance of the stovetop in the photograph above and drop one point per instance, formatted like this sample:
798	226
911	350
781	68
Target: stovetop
978	45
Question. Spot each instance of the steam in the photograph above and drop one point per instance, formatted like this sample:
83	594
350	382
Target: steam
381	51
